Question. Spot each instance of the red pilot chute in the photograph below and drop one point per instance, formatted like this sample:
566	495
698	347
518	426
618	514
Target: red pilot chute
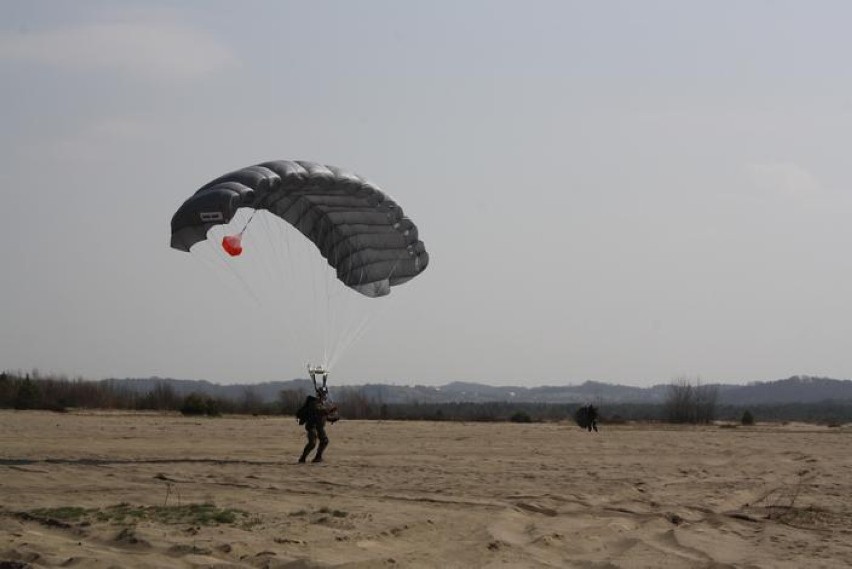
232	244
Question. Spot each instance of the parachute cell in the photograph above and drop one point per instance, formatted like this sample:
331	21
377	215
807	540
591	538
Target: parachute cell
361	232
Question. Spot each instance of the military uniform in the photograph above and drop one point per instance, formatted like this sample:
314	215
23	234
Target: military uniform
315	413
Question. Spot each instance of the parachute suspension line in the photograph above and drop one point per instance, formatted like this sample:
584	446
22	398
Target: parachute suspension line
359	321
240	267
330	311
342	311
274	242
316	331
303	273
278	270
304	270
243	230
213	264
341	321
339	300
321	305
327	332
355	334
392	270
367	319
317	268
234	272
266	252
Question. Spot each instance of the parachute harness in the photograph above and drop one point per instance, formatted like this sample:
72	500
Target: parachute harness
322	391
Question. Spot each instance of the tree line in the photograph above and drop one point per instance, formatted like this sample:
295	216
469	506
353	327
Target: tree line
687	401
57	393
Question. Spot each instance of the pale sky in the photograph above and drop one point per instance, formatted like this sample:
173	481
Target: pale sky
625	192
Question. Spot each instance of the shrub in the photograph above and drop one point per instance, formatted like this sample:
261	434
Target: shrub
196	404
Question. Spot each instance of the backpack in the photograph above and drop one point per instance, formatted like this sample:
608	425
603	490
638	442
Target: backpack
304	412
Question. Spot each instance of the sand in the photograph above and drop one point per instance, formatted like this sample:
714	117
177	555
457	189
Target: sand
419	494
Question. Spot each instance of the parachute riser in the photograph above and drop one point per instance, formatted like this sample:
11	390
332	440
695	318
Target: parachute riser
314	371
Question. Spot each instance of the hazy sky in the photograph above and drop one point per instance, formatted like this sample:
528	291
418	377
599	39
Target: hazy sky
619	191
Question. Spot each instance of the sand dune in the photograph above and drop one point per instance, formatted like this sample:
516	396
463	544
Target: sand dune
415	494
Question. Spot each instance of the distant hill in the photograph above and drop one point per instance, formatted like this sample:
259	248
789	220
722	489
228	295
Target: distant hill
796	389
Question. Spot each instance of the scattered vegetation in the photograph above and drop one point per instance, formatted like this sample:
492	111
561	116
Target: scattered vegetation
747	418
520	417
64	513
192	514
783	503
197	404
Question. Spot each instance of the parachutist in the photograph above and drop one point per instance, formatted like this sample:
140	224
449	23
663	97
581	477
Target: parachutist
356	228
313	414
587	417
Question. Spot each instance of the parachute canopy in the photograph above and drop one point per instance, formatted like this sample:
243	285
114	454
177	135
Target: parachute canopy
361	232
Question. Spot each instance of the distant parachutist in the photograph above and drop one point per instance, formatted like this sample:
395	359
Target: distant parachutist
586	417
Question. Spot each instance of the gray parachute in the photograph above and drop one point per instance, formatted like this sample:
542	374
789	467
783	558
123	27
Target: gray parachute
359	230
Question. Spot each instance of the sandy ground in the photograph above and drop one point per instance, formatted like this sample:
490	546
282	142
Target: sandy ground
417	494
